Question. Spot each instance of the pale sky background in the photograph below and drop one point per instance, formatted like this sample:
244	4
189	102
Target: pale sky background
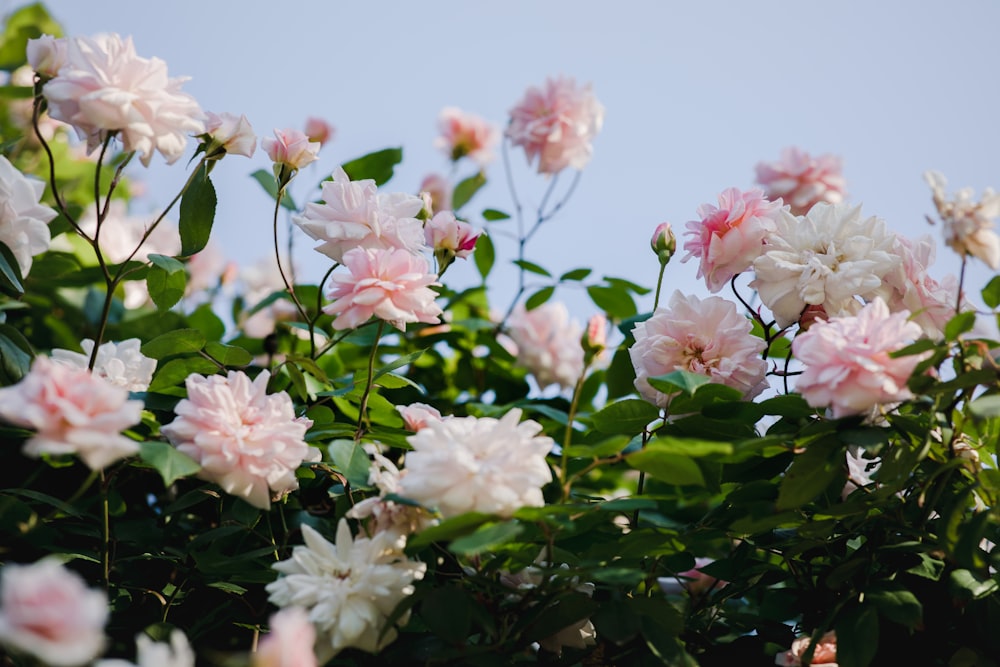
696	93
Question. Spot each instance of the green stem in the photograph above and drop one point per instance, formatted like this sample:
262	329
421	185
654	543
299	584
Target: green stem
288	285
105	531
659	285
369	382
568	437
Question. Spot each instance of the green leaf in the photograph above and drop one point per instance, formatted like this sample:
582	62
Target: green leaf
613	300
539	297
607	447
985	407
168	461
449	529
229	355
811	472
960	324
10	272
175	371
857	637
693	447
968	585
465	190
896	603
531	267
377	166
197	213
666	466
575	274
484	255
991	293
165	288
352	461
178	341
628	416
493	215
15	360
266	180
486	537
684	381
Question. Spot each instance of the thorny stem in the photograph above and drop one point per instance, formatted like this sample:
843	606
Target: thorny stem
369	382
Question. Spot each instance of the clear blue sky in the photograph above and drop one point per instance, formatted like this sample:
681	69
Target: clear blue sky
696	93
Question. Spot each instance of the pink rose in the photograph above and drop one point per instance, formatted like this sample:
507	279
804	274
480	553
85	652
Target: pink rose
417	415
848	366
450	237
931	302
248	442
704	336
802	181
465	134
556	124
232	134
663	243
548	344
393	285
48	612
289	643
824	655
73	412
105	87
291	148
354	214
726	240
319	130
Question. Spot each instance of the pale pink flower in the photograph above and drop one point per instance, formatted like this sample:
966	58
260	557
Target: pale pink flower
470	464
439	189
349	588
122	364
547	343
230	134
318	130
291	148
968	224
465	134
47	55
176	653
801	180
392	285
104	88
450	237
693	581
704	336
831	257
260	281
386	515
354	215
289	643
847	361
48	612
72	412
418	415
207	269
24	220
824	655
663	243
595	338
556	124
931	303
728	238
248	442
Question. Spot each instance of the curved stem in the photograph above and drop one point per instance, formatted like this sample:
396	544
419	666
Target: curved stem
288	285
319	309
369	382
60	204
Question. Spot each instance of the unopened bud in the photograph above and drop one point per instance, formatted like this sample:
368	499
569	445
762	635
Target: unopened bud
595	338
663	243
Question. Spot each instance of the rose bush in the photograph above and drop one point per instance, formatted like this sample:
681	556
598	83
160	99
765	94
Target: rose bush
381	467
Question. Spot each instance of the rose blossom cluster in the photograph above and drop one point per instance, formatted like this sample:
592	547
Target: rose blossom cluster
122	364
802	180
968	224
349	588
556	124
248	442
102	88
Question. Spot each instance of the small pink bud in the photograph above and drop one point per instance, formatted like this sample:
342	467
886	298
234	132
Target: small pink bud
595	338
663	243
290	150
319	130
